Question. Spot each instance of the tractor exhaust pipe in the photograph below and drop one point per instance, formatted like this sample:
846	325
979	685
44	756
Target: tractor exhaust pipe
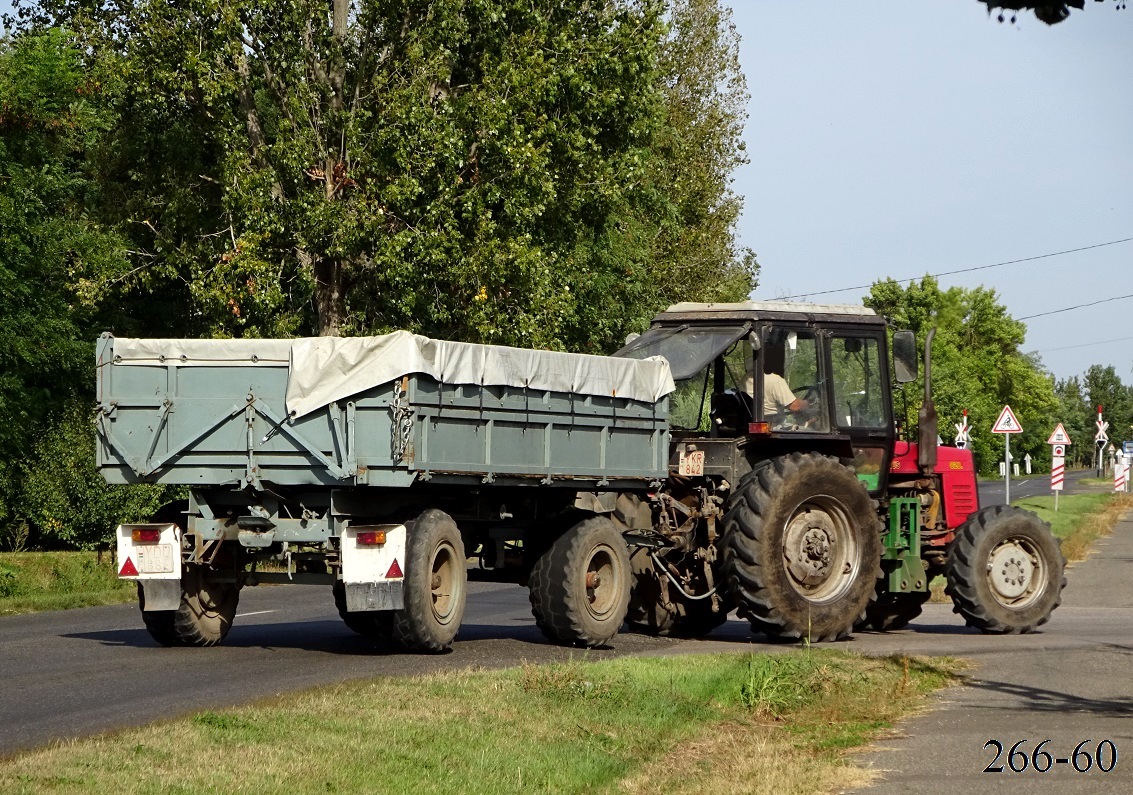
926	417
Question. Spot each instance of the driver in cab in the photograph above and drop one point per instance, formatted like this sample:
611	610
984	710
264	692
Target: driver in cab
778	399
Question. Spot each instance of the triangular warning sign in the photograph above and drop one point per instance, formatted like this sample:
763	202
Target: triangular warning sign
128	569
394	571
1007	422
1060	436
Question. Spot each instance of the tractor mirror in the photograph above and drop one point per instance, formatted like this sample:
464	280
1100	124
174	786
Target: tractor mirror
905	356
753	339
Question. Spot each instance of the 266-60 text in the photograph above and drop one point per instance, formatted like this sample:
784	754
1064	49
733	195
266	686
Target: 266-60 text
1086	756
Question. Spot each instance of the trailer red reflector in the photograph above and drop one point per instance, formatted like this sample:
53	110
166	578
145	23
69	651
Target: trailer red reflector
147	535
759	427
394	571
371	538
128	569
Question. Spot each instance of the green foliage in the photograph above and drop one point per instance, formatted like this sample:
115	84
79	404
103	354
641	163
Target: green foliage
65	497
976	365
523	173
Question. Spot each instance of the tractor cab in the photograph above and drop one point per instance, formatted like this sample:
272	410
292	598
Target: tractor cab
780	376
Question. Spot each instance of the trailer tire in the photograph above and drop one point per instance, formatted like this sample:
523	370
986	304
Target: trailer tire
579	588
893	611
204	616
435	586
1005	571
802	548
372	624
687	619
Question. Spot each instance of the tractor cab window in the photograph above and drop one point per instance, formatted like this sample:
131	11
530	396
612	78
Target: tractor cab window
855	373
792	395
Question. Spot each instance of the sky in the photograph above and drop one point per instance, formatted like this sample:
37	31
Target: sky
890	138
894	139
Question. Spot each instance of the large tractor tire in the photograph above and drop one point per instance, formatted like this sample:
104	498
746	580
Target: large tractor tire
436	585
204	616
1005	571
684	618
802	548
372	624
580	587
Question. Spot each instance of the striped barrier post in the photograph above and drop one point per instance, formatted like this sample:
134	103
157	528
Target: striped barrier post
1119	472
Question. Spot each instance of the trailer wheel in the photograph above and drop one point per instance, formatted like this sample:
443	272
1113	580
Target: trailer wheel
893	611
685	618
802	548
580	586
372	624
1005	571
204	616
436	579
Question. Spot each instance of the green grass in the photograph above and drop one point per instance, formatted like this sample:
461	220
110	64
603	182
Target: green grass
1073	510
683	724
34	581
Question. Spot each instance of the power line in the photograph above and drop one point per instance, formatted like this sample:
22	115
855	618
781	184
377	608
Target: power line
969	270
1079	306
1083	345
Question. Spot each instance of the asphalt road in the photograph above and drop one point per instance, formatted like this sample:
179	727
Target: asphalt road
993	492
78	672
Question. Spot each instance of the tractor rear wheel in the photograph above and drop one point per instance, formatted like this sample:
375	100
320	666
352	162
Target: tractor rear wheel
1005	571
802	548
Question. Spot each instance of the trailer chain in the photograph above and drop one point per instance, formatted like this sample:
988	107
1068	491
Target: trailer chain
402	425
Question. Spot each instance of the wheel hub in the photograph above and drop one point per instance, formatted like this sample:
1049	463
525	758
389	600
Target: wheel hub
1011	571
818	551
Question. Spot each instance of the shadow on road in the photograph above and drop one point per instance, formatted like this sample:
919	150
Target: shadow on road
1037	699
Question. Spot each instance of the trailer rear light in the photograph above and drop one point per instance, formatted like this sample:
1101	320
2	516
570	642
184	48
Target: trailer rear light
145	535
759	427
371	538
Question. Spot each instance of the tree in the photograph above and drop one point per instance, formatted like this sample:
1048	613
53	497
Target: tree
481	169
977	364
1104	388
52	255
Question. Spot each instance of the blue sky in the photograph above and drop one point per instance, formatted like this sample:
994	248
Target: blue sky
894	139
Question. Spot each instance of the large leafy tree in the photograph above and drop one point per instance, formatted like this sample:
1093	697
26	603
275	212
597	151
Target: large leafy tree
480	169
51	254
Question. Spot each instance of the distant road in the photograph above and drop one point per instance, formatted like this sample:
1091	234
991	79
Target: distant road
1036	485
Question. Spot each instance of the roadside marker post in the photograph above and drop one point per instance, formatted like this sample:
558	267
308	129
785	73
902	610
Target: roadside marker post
1058	441
1007	425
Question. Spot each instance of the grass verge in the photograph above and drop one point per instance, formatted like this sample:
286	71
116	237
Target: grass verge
34	581
754	723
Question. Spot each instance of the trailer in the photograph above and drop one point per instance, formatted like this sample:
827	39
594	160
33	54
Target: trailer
379	466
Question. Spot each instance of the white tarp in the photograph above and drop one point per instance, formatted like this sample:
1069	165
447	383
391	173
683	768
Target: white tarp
325	369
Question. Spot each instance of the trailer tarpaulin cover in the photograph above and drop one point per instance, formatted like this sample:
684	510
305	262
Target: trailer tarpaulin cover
325	369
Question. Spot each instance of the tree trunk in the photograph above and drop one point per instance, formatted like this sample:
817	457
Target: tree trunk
328	295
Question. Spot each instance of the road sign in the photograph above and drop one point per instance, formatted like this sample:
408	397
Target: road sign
1060	436
1128	448
1057	473
1007	422
1101	434
1058	450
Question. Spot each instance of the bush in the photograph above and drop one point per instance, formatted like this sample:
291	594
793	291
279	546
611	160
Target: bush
65	499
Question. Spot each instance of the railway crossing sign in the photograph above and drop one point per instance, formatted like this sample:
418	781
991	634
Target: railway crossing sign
1007	422
1058	450
1060	436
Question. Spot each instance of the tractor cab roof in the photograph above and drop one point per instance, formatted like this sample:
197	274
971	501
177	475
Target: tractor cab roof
748	311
